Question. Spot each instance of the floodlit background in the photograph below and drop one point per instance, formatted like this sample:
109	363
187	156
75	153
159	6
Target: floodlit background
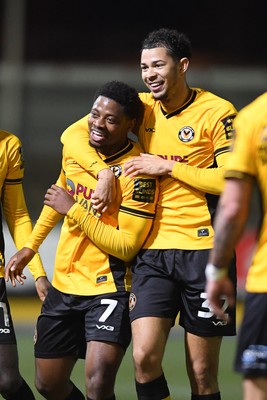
54	54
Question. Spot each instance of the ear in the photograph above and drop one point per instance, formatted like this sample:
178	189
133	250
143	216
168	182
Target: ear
131	125
183	65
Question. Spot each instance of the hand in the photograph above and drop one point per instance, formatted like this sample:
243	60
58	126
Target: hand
217	291
42	285
16	264
148	164
59	199
105	192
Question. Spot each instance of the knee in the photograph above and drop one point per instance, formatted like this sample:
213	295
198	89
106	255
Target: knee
100	383
145	360
9	383
43	387
205	379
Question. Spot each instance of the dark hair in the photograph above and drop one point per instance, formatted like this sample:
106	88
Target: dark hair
177	44
125	95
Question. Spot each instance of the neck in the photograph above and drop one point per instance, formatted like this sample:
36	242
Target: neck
177	99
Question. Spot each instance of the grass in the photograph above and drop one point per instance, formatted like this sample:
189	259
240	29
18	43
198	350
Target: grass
174	363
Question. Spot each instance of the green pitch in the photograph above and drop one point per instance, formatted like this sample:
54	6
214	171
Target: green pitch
174	366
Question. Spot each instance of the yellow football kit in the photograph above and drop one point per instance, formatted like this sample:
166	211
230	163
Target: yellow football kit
198	136
249	158
93	251
13	201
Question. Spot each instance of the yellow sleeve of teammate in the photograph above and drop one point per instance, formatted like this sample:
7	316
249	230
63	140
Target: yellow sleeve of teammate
20	224
76	141
45	223
208	180
123	243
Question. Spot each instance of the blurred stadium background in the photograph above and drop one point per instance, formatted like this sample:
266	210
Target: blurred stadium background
55	54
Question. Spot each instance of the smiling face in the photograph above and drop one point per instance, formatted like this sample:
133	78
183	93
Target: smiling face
163	76
108	126
160	73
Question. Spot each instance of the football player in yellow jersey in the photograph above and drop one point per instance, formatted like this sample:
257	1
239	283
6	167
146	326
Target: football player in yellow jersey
246	166
187	132
86	311
13	206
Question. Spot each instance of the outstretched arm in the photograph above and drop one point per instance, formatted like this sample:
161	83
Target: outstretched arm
208	180
14	268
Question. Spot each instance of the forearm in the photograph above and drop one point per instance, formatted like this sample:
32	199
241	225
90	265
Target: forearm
230	221
208	180
123	243
45	223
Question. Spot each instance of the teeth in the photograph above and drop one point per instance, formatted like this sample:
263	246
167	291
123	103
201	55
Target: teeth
97	133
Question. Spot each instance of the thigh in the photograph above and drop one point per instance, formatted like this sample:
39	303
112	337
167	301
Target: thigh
150	335
9	359
203	351
107	320
54	373
7	332
196	315
104	359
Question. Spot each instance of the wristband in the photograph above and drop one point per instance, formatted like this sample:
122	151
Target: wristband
214	273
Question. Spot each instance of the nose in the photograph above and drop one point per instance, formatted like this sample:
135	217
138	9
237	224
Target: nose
150	73
98	122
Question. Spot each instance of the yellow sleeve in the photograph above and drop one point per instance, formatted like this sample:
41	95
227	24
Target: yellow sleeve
76	141
123	243
45	223
47	220
208	180
19	223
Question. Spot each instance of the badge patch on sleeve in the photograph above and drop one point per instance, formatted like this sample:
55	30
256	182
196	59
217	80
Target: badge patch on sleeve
228	126
144	190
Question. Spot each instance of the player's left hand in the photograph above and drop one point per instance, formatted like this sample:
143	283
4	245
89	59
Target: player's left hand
148	164
16	264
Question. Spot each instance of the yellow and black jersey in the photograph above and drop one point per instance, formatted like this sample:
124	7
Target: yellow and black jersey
198	136
249	158
94	251
12	199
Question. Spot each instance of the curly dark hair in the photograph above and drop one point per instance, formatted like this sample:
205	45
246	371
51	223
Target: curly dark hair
125	95
177	44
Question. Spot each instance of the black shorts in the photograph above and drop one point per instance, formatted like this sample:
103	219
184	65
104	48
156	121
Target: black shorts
251	354
67	322
168	282
7	332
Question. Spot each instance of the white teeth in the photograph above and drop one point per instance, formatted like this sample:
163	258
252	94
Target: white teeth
97	133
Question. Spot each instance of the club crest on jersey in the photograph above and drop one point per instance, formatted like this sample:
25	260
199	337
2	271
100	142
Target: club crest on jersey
186	134
117	170
132	301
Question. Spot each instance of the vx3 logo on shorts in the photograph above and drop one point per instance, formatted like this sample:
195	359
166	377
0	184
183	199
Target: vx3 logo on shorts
4	330
105	327
219	323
